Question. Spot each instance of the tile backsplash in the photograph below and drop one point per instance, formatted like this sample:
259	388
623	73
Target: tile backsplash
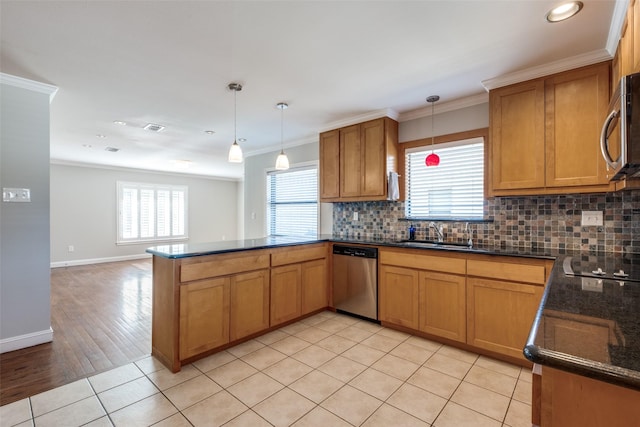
552	222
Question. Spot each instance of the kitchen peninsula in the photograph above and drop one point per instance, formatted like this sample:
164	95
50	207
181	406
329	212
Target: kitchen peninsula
207	297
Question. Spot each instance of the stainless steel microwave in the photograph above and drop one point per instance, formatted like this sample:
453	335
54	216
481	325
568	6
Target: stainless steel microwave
620	136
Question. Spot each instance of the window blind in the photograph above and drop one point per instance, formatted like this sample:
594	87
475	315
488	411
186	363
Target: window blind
454	189
292	202
148	212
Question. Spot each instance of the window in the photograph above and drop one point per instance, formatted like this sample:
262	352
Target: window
452	190
149	212
292	202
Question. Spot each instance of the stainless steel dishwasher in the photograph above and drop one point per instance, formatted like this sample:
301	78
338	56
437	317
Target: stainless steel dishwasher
355	281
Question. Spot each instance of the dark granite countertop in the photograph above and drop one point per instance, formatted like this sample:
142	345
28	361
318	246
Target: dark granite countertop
184	250
589	326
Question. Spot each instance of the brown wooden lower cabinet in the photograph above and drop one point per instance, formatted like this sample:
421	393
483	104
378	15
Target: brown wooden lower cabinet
204	316
314	285
570	400
443	305
285	293
249	311
398	290
486	302
500	314
204	303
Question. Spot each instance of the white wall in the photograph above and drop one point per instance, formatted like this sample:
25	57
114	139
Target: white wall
255	184
469	118
83	211
25	317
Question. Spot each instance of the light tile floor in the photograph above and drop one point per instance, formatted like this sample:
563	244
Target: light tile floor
326	370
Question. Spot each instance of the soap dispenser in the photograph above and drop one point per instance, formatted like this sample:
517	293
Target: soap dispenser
412	232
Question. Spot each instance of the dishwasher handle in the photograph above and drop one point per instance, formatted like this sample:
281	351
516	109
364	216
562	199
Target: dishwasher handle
355	251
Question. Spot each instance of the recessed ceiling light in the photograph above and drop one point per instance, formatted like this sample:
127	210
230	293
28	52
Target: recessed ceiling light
112	149
153	127
119	122
87	145
209	132
101	136
242	139
564	11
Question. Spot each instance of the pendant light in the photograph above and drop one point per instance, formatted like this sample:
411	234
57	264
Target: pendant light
235	152
432	159
282	162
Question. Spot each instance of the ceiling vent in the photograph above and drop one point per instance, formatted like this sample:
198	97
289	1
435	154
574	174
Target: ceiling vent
154	127
112	149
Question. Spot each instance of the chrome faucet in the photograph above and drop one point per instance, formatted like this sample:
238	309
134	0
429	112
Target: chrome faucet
469	235
439	230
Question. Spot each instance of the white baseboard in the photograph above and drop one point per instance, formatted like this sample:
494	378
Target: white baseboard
71	263
27	340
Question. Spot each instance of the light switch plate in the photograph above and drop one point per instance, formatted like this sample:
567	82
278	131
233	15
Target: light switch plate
16	195
591	218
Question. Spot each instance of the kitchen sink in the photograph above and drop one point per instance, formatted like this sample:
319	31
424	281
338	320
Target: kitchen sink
434	244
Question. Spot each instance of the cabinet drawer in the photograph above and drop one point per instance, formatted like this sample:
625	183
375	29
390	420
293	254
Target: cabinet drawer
296	254
423	261
223	265
527	273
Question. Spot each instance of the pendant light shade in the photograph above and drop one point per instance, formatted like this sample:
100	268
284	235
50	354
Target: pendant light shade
235	152
432	159
282	162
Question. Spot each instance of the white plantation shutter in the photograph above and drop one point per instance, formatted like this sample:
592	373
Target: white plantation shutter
452	190
292	202
149	212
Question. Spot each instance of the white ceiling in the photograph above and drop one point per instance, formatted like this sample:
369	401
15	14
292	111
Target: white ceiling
333	62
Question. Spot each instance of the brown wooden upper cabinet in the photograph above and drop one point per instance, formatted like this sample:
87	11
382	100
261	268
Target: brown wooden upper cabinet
545	134
355	161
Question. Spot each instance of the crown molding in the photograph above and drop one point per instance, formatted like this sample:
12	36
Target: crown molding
372	115
548	69
456	104
137	170
277	147
617	21
31	85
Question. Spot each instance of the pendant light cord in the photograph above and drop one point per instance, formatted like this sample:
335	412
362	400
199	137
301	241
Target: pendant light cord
235	115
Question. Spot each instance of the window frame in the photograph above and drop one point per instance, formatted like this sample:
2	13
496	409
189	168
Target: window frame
439	140
298	166
121	185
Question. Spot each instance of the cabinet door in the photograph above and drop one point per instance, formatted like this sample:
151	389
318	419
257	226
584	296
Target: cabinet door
350	161
285	293
314	285
249	312
330	165
635	6
204	316
500	314
443	305
576	104
627	44
517	136
374	170
398	296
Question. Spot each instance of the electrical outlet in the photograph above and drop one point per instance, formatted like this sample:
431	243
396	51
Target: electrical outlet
591	284
71	248
355	216
16	195
591	218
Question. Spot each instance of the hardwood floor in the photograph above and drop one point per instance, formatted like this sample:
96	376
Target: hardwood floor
101	319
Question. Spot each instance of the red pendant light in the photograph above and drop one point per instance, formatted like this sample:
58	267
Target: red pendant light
432	159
